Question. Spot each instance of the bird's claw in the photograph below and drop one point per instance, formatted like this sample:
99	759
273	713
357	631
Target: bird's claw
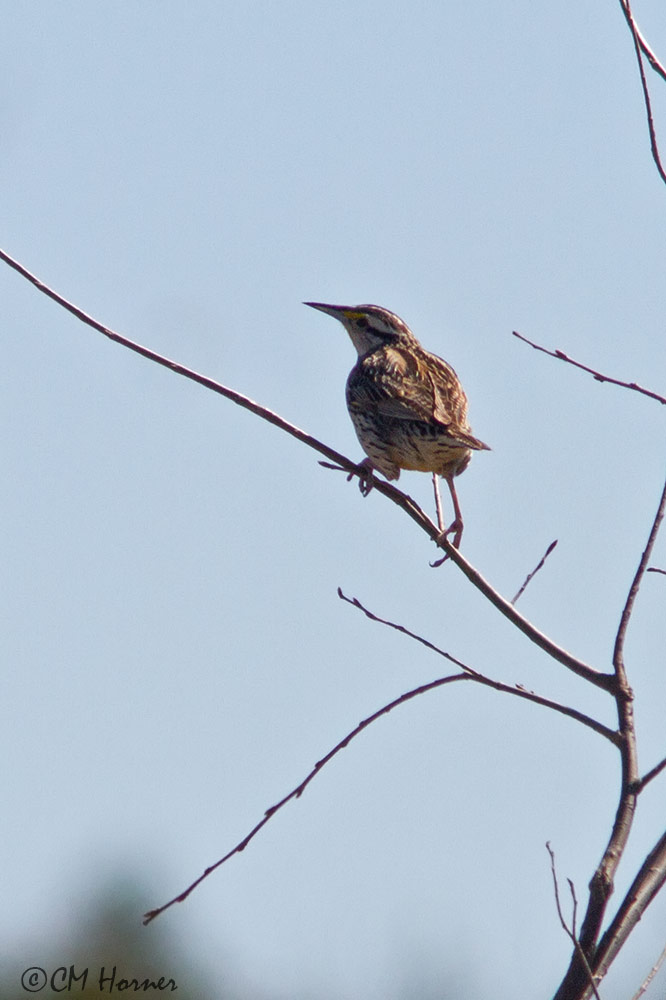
455	529
364	472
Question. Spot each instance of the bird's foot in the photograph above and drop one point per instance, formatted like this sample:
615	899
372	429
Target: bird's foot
455	529
364	472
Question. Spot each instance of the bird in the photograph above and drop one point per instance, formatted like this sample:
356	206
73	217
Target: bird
407	406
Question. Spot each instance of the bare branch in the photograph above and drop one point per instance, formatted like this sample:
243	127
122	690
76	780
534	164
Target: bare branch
402	500
651	775
604	681
530	576
638	35
618	653
574	901
654	569
647	884
571	933
473	675
601	885
650	976
296	792
561	356
354	601
638	47
651	877
174	366
556	889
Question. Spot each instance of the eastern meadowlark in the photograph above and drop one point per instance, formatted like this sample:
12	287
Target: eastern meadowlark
407	405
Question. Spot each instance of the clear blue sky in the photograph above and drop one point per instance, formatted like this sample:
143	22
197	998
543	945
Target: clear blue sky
175	657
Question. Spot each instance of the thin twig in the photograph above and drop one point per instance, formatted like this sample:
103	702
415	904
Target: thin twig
604	681
354	601
647	51
474	675
655	569
646	93
296	792
534	572
574	902
598	376
651	775
650	976
565	926
618	652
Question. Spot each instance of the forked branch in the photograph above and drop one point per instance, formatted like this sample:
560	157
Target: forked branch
652	875
588	954
402	500
640	47
474	675
640	38
570	931
648	882
650	878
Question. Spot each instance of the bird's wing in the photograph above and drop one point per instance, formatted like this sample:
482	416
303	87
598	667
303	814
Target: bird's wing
402	386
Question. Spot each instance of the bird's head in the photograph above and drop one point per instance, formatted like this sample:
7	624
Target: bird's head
369	327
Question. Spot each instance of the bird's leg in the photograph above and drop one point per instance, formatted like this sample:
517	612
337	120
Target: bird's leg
440	518
438	503
364	472
456	526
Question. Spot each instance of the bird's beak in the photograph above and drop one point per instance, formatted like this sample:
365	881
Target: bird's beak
336	311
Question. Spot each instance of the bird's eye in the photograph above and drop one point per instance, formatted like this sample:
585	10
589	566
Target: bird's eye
362	322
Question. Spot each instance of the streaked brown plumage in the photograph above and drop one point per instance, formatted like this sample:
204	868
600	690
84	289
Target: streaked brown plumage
407	405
